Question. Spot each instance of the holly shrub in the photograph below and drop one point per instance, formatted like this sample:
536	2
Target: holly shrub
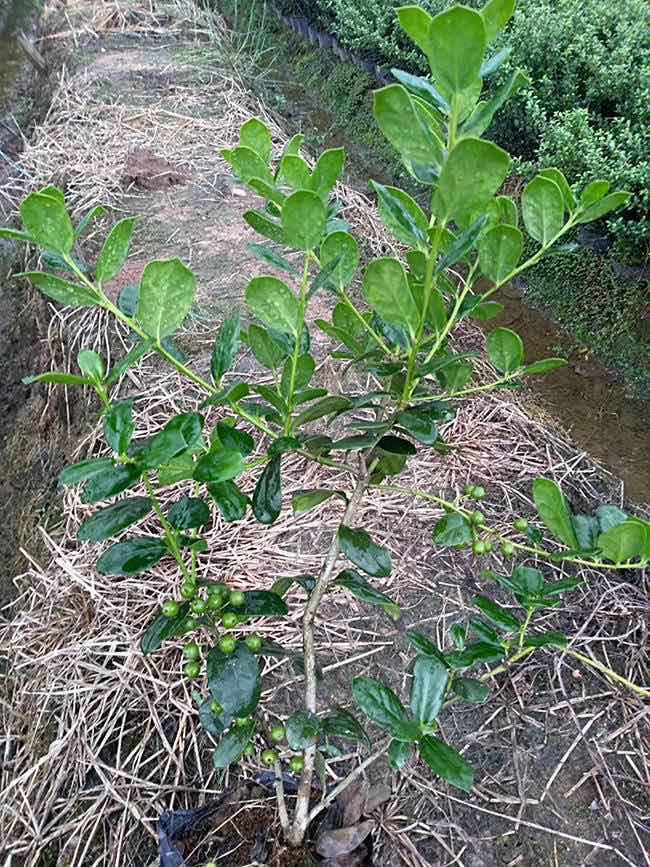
393	318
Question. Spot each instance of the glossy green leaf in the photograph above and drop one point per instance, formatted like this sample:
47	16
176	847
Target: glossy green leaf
264	348
219	466
626	541
53	377
396	445
481	118
428	689
399	121
232	503
497	614
113	519
267	497
131	557
232	745
181	433
554	511
304	501
342	249
237	440
500	250
298	378
547	639
162	628
399	753
167	290
481	161
386	290
476	652
340	723
456	46
262	603
567	194
255	135
189	513
61	291
471	690
402	215
84	470
303	729
461	246
605	206
505	349
542	207
452	531
331	405
446	762
365	592
425	646
119	426
303	220
234	680
265	226
265	253
359	548
110	482
544	365
420	424
274	304
46	220
327	171
115	250
225	348
383	707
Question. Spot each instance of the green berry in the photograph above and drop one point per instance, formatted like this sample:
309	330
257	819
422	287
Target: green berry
189	591
508	549
479	548
478	492
215	707
192	651
199	606
236	598
215	602
229	620
297	764
269	757
277	733
192	669
171	608
478	519
489	547
249	750
191	623
217	590
227	644
469	490
254	643
521	524
242	721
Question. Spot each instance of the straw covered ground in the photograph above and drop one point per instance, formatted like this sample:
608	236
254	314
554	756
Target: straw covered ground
98	740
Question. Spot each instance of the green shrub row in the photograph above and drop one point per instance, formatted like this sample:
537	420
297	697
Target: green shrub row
588	108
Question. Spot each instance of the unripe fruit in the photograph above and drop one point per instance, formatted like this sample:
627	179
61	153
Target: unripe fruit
170	608
477	518
469	489
229	620
269	757
521	524
241	721
478	492
254	643
236	599
249	750
192	651
189	591
489	547
479	548
227	644
297	764
508	549
215	602
217	590
215	707
191	623
199	606
192	669
277	733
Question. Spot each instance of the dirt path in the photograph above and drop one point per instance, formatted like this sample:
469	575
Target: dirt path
561	755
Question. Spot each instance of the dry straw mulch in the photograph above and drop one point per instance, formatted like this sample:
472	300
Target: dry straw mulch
97	739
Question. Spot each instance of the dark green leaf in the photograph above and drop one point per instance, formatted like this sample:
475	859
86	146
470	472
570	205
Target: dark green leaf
189	513
61	291
554	511
478	651
399	752
84	470
262	603
483	114
304	370
235	440
306	500
402	215
586	529
497	614
363	590
302	729
119	426
428	689
470	690
484	631
267	497
162	628
234	680
452	531
113	519
419	422
232	745
401	123
110	482
446	762
342	724
547	639
425	646
462	245
181	433
131	557
268	255
231	501
219	466
339	258
544	365
225	347
211	722
396	445
363	552
56	378
264	348
333	404
383	707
